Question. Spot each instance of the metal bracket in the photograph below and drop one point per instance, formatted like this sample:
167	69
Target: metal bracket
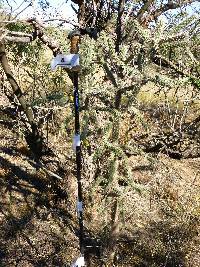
70	61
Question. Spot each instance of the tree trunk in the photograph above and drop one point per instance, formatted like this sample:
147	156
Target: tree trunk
33	137
15	87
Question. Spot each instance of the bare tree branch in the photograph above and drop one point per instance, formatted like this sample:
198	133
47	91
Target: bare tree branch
14	36
15	87
162	9
18	39
33	136
52	44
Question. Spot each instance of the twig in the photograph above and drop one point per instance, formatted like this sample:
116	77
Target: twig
22	10
49	108
50	173
62	20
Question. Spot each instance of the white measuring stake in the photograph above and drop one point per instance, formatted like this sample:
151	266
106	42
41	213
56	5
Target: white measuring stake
65	61
76	141
80	262
79	206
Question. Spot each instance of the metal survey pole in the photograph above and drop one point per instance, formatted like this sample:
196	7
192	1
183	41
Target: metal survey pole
71	62
75	39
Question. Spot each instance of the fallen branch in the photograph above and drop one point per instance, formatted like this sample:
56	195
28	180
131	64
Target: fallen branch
47	171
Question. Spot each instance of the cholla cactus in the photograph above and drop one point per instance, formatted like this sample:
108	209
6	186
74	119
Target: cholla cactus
113	115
